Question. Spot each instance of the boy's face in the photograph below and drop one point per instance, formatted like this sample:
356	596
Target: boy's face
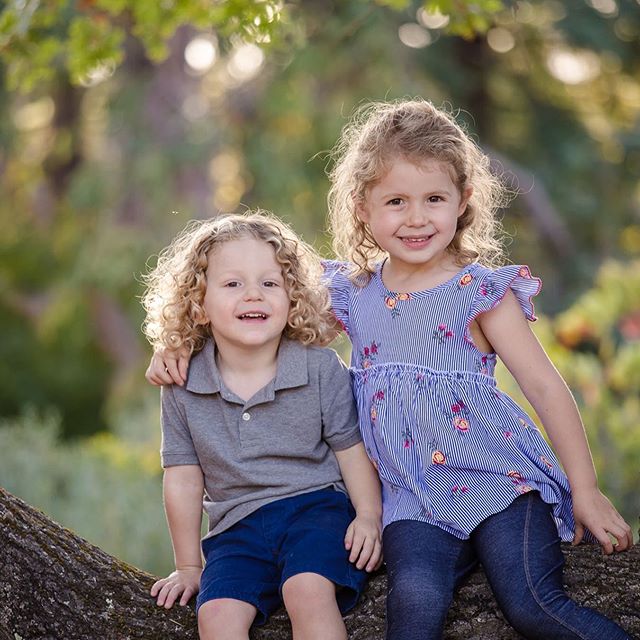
246	301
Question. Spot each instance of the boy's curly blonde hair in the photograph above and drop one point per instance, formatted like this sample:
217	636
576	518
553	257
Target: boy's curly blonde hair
417	131
176	287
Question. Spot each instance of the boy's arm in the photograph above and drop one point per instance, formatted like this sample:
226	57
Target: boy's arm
183	488
508	331
168	367
364	534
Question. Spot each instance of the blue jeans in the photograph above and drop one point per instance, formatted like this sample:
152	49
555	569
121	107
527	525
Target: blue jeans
520	552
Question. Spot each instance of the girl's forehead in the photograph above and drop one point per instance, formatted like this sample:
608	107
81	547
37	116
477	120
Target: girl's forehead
423	163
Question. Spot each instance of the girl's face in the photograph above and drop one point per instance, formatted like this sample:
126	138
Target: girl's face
412	212
246	301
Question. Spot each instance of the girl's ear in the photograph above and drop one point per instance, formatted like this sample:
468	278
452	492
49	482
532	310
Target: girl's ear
464	200
359	208
361	211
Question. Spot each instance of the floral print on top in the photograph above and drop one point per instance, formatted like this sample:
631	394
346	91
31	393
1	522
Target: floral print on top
450	448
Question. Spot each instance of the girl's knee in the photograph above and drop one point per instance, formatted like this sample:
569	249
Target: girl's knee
416	607
224	618
533	614
412	591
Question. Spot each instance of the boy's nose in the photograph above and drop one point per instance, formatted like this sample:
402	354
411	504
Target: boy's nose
253	292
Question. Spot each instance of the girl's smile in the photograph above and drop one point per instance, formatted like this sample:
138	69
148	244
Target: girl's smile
412	213
416	242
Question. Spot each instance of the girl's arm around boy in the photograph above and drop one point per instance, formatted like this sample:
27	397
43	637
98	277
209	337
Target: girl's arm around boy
183	488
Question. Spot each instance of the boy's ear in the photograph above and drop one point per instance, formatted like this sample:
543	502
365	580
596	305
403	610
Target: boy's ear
464	200
200	316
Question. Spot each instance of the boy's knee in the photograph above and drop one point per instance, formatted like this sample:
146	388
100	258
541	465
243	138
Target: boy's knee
224	618
308	592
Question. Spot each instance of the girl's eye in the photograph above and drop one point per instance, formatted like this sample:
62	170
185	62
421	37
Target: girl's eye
232	284
395	202
435	198
271	283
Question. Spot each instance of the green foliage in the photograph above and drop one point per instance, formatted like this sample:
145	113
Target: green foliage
86	38
107	489
92	45
38	37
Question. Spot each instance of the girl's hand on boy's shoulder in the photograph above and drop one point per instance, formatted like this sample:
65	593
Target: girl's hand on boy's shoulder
182	583
364	540
593	510
168	367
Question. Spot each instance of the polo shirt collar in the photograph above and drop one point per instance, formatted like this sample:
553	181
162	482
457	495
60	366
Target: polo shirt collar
291	372
292	368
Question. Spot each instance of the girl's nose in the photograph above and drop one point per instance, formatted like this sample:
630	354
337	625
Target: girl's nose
416	216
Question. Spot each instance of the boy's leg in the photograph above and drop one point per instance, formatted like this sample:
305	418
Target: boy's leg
520	551
425	564
240	582
225	619
318	583
310	600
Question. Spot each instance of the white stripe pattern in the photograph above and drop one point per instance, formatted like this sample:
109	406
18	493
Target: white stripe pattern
450	447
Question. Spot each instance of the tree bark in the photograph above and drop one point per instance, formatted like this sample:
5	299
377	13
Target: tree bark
56	586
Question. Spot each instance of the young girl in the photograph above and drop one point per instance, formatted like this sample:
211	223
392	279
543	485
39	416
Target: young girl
265	430
466	475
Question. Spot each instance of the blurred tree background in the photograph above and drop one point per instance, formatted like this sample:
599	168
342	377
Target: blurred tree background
122	120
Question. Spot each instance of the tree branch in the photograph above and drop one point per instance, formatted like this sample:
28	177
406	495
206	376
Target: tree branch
54	584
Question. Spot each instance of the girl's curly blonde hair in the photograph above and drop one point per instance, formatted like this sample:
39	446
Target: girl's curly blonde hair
177	285
415	130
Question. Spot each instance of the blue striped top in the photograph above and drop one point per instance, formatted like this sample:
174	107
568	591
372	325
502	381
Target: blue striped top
451	449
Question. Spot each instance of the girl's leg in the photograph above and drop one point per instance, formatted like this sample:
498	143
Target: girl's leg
520	551
310	600
225	619
424	566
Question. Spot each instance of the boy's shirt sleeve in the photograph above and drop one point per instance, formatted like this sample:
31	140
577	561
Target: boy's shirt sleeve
339	416
177	446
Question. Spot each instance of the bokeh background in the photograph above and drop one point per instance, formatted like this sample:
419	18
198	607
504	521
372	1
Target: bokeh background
121	120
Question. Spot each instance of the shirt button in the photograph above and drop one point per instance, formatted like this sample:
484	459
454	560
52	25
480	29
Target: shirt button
246	417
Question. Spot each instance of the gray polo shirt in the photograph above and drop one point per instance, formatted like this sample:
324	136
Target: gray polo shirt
278	444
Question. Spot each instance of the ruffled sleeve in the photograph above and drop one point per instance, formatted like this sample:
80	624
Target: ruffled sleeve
336	279
493	286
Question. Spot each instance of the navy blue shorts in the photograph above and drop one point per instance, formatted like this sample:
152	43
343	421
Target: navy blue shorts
251	560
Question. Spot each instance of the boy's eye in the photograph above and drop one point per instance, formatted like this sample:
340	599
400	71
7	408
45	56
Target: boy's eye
270	283
233	283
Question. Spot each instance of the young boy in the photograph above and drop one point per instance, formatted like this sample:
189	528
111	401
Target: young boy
265	429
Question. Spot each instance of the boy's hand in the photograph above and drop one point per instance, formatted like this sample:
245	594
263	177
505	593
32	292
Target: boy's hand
592	510
168	367
364	540
182	582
